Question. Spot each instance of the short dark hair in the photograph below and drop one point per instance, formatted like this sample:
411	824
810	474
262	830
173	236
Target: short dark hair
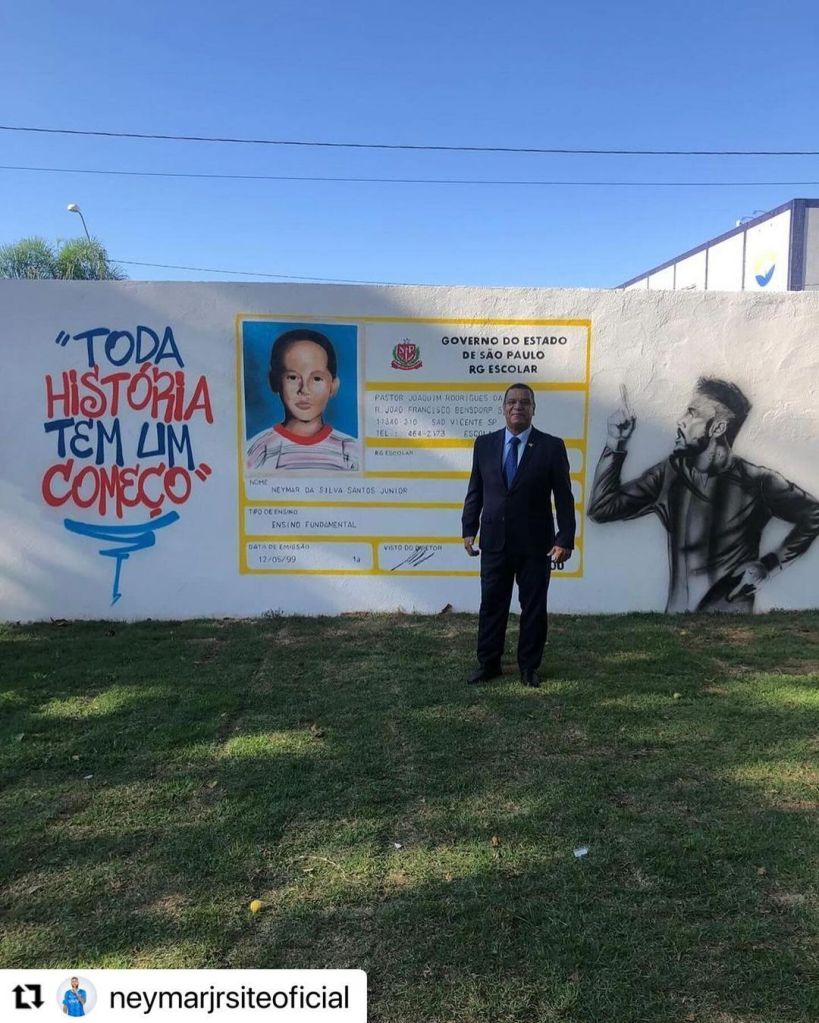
285	341
730	397
519	387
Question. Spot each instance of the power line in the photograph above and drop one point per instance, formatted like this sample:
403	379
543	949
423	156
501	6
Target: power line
252	273
412	181
314	143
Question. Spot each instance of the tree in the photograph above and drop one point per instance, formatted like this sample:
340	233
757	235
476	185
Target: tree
78	259
31	259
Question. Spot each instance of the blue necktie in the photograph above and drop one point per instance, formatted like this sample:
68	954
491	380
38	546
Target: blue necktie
510	466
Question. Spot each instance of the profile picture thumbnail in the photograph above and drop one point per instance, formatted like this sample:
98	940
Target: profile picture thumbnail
76	996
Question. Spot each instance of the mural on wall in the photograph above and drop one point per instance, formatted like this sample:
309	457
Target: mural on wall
122	491
122	430
301	398
713	504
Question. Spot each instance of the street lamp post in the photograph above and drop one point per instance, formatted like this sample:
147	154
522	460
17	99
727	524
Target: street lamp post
72	207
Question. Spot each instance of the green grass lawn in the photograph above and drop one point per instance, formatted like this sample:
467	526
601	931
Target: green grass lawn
156	777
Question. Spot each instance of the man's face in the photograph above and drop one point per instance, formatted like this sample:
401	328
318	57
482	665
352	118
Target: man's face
75	983
307	384
702	420
518	409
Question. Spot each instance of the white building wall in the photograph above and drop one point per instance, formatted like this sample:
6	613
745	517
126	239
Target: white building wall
663	280
757	258
725	267
690	275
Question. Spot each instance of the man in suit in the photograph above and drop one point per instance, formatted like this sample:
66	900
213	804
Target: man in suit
515	473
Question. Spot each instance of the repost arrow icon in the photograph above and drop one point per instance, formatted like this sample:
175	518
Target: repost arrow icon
36	1002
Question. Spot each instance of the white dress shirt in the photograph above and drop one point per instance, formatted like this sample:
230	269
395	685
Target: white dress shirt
523	437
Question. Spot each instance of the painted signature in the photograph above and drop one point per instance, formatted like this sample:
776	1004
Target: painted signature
416	558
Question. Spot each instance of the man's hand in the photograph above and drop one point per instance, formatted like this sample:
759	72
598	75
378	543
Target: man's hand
560	554
751	576
469	542
621	423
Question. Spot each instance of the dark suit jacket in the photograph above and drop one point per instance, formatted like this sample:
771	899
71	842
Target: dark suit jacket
520	519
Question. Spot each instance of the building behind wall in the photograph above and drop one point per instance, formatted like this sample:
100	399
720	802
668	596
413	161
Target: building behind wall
777	251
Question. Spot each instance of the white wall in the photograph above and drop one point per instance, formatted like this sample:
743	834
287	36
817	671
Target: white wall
662	280
690	275
658	344
725	269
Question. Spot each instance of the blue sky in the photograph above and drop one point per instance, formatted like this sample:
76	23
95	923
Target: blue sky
454	73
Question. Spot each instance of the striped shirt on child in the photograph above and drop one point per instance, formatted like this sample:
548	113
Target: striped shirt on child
278	448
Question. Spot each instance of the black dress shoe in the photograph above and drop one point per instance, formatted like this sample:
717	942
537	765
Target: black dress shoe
529	677
484	673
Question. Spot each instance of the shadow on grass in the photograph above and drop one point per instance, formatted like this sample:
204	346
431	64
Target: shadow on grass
392	819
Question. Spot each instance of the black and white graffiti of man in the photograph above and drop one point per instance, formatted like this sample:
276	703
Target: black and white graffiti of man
714	505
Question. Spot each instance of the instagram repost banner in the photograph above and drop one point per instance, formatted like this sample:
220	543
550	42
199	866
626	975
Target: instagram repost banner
291	996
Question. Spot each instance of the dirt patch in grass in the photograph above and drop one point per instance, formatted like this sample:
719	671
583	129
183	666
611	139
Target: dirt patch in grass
731	669
737	634
796	666
798	805
788	900
170	906
397	879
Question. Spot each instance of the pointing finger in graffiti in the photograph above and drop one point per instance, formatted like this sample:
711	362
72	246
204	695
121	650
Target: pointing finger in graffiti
622	422
626	404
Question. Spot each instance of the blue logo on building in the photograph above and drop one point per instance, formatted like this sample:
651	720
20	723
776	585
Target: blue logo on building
764	269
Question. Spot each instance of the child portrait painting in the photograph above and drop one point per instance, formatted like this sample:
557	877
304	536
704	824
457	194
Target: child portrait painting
301	398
